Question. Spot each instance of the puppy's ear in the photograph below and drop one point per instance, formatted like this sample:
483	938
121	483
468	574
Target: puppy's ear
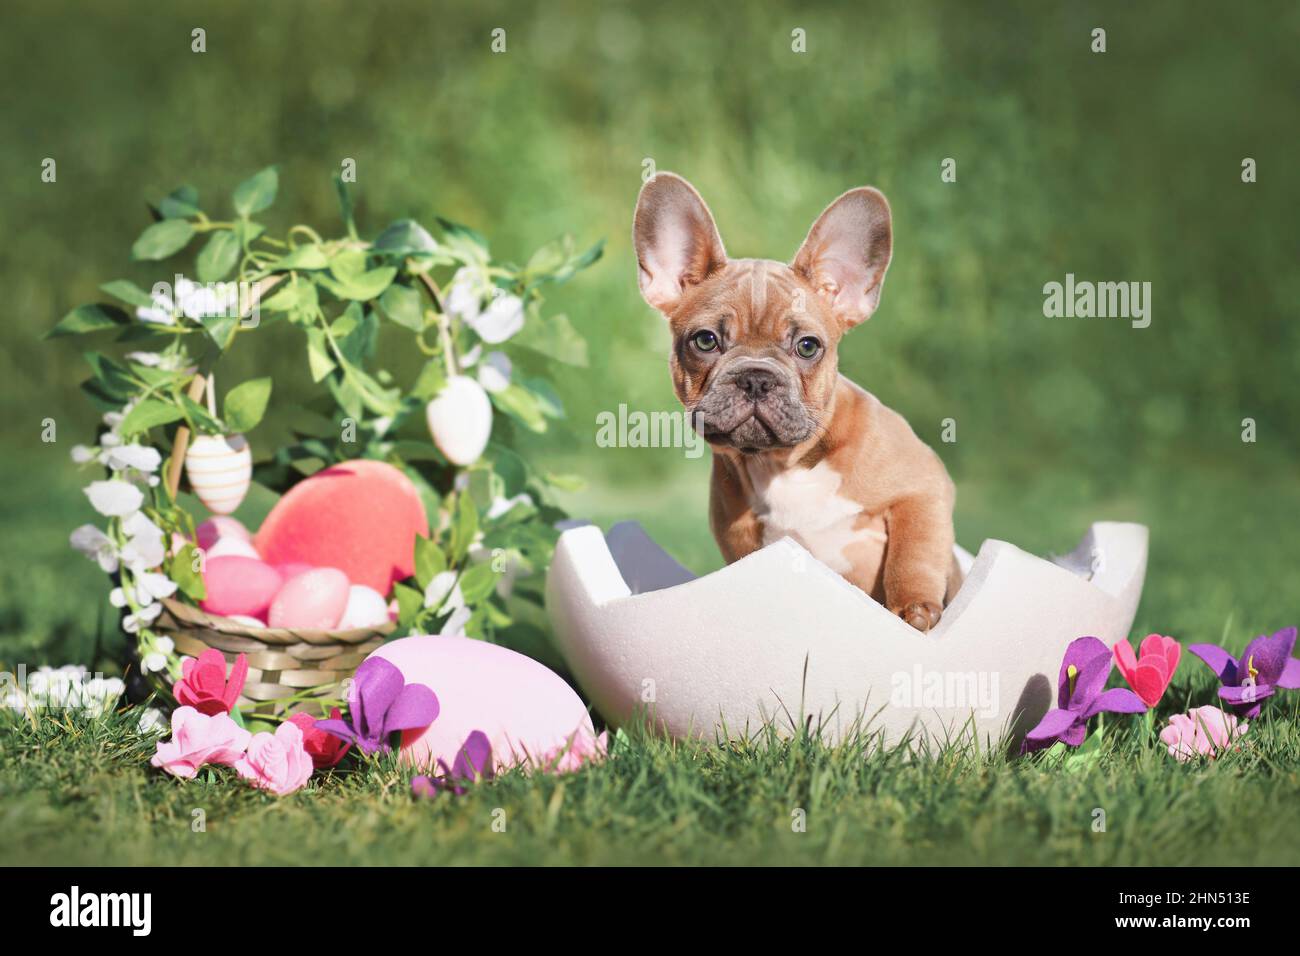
847	252
677	243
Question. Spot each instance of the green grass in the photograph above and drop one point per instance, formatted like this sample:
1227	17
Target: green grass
81	793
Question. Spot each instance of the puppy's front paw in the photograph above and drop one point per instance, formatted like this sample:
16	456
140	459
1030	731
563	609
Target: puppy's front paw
922	615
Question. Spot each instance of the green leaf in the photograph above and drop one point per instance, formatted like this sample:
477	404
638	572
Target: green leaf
429	561
430	381
345	205
359	288
220	328
410	602
464	527
148	414
128	292
182	571
219	256
402	304
547	398
257	192
406	237
555	337
319	359
477	583
162	239
521	405
180	203
304	257
88	318
200	417
245	404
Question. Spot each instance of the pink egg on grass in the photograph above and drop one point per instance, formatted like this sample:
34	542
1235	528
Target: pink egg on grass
526	710
312	600
366	607
239	585
221	526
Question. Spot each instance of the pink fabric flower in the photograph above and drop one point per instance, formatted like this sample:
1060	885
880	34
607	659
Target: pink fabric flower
581	748
277	762
1205	732
1149	671
325	749
198	739
203	683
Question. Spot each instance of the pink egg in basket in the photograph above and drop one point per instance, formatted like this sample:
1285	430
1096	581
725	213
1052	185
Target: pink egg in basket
238	585
525	709
313	600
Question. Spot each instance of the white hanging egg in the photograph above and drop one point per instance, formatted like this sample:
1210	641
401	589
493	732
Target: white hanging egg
460	420
220	469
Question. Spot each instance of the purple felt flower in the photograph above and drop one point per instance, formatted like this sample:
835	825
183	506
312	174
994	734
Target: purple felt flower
380	703
1079	696
473	762
1264	666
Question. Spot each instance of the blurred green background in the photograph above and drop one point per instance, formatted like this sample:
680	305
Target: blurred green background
1117	166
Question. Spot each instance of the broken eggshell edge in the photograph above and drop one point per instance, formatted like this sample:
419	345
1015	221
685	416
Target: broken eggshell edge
778	637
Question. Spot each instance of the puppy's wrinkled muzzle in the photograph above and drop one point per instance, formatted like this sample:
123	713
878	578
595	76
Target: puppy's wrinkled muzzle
753	404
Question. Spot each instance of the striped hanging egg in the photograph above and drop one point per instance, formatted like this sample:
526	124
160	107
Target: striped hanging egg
220	469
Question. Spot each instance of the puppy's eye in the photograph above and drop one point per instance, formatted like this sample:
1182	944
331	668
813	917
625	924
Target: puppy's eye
808	347
704	340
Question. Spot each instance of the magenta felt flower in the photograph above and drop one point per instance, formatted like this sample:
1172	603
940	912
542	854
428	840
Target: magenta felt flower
1150	670
1205	732
199	739
203	684
380	703
1080	696
1265	665
277	763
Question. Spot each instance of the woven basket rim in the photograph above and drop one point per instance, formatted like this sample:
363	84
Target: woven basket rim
179	616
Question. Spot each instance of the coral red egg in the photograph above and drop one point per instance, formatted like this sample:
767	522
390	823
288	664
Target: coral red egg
239	585
359	516
314	599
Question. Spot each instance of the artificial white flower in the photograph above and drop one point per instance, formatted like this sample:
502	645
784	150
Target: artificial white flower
84	454
470	359
161	312
198	301
99	695
494	373
147	359
455	625
114	498
144	547
465	294
95	545
503	317
154	586
154	662
152	721
145	616
501	506
443	593
139	457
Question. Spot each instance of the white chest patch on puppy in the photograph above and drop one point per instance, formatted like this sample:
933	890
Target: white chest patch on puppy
805	504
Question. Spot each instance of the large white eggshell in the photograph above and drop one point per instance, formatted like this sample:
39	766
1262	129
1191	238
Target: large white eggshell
778	637
220	470
460	420
525	709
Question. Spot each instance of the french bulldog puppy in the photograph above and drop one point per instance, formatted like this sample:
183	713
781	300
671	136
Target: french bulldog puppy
798	449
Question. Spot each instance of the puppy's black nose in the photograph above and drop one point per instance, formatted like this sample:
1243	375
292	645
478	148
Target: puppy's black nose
756	382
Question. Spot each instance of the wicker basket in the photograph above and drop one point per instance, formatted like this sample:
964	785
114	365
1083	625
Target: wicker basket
282	662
